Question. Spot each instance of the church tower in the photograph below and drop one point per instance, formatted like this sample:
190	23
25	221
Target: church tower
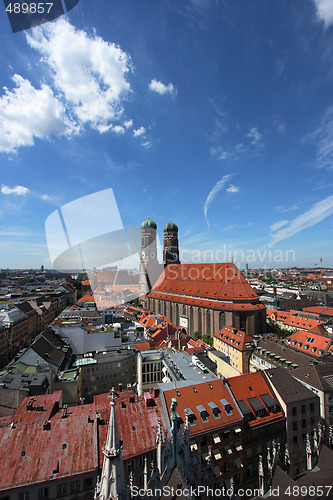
112	484
170	249
148	261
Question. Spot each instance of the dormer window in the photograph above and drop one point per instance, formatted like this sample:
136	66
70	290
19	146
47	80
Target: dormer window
215	409
226	405
190	415
203	413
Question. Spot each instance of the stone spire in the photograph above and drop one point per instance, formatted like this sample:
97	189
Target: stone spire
187	439
112	483
159	447
286	458
261	475
308	453
174	430
330	435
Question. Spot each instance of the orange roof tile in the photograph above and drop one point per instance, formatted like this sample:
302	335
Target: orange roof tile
236	338
253	385
211	285
202	394
310	343
294	320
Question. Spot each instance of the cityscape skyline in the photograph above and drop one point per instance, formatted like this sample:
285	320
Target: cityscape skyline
217	115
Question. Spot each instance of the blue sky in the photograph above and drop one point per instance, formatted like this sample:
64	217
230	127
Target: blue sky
215	114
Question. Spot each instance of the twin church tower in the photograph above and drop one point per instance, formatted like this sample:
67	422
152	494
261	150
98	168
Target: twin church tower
150	268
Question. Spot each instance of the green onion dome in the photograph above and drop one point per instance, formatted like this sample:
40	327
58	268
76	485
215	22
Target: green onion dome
148	223
170	226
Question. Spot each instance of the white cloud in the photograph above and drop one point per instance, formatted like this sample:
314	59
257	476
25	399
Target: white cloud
146	144
317	213
255	136
218	186
323	139
19	190
89	72
128	124
27	113
139	131
160	88
324	10
118	129
45	197
233	189
219	153
283	209
278	225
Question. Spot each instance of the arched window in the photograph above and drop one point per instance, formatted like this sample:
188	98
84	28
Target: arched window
177	315
208	321
191	320
199	320
222	320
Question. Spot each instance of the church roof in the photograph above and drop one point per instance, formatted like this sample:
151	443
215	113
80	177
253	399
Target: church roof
211	285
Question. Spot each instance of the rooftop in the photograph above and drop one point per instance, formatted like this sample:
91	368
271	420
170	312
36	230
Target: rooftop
211	285
210	403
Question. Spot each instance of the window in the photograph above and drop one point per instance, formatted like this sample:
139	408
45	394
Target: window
74	486
303	409
249	453
87	483
226	467
295	440
24	496
303	423
61	489
313	421
294	426
294	412
43	493
312	406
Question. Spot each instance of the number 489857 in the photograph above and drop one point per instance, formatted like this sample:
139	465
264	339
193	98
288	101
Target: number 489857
29	8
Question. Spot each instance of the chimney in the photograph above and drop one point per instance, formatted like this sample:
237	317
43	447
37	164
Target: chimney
156	393
30	405
120	387
46	425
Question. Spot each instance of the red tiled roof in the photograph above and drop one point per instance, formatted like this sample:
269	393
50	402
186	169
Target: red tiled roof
137	423
143	346
310	343
203	394
72	444
211	285
250	385
198	343
30	454
235	338
86	283
327	311
293	319
87	298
